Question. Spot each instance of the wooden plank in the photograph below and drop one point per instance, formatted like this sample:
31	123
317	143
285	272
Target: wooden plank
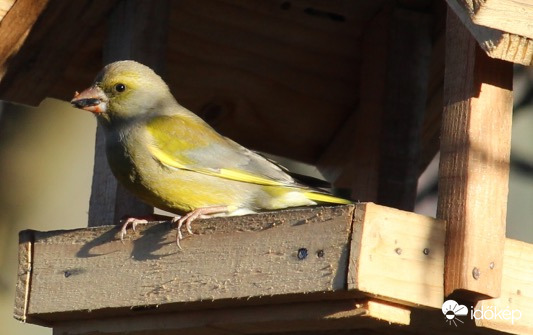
351	160
272	254
511	16
133	34
405	102
282	318
29	65
474	163
497	43
515	305
308	259
393	262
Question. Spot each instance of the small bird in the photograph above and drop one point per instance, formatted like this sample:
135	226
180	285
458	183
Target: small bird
173	160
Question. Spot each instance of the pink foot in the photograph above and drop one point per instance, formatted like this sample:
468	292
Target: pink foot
188	218
134	221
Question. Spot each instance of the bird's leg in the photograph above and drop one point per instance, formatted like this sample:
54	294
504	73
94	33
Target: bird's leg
134	221
193	215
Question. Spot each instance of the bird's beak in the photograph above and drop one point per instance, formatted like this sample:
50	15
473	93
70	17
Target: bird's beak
92	99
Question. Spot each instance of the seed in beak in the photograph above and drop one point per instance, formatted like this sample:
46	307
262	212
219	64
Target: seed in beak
82	103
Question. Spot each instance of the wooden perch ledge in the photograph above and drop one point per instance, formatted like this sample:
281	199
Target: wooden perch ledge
341	267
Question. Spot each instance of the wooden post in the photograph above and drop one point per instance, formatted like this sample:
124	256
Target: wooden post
137	30
474	163
376	153
405	102
352	159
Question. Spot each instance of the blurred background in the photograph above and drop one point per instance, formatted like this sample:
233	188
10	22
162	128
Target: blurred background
46	168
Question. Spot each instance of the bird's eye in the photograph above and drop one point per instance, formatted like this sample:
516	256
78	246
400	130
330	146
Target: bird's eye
120	87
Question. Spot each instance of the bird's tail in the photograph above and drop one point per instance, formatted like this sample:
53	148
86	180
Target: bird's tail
321	197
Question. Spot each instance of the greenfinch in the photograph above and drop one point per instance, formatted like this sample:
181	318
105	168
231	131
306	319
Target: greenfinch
173	160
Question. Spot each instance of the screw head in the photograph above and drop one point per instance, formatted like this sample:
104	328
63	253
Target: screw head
476	273
302	253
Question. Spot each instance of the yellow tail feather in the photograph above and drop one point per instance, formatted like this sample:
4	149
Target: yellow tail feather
321	197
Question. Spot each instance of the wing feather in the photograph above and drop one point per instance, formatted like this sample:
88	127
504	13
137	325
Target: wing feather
187	142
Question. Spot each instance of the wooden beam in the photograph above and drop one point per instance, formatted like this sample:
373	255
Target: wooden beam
137	30
382	246
376	152
474	163
275	254
501	43
511	16
351	159
405	102
515	304
431	124
29	67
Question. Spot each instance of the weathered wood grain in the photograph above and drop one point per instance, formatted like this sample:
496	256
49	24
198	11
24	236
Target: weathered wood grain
474	162
397	255
271	254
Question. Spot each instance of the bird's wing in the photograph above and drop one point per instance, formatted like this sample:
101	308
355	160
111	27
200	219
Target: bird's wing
186	142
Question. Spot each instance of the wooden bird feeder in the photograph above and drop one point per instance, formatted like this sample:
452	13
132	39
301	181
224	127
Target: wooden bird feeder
363	90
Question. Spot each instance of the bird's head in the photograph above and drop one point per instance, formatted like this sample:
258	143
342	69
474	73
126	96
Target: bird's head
123	91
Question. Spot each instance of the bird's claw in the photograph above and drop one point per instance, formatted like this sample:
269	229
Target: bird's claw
129	221
187	220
